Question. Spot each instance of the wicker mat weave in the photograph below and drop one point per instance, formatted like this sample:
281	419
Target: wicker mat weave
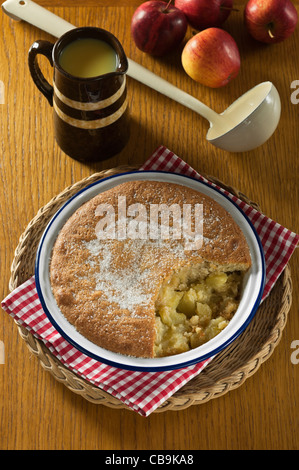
228	370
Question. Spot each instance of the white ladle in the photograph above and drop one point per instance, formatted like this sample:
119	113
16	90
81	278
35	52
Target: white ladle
243	126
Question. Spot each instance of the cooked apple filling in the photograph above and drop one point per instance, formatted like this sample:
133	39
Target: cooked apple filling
194	306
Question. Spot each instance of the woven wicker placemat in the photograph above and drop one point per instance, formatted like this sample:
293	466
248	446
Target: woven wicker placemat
228	370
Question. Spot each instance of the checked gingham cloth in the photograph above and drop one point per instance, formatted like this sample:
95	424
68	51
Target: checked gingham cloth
144	392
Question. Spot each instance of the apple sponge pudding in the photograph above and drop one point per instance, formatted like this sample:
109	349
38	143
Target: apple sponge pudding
128	288
191	310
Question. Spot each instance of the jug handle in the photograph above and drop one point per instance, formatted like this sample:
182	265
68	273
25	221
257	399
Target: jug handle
44	48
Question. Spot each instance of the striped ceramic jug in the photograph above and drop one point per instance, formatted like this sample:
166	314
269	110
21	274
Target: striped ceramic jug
91	121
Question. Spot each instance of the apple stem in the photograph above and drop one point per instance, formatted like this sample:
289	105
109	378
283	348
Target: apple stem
270	26
166	8
270	34
229	8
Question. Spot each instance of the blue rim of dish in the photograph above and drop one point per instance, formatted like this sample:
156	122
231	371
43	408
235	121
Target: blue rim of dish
177	366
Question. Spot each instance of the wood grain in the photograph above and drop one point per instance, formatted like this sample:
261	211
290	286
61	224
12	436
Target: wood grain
36	412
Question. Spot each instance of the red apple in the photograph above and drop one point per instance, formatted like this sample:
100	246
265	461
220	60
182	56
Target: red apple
158	27
202	14
211	57
270	21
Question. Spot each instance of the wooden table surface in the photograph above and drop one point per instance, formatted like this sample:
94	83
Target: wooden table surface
37	412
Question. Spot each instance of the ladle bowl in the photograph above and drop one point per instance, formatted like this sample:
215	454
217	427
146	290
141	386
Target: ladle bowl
246	124
256	115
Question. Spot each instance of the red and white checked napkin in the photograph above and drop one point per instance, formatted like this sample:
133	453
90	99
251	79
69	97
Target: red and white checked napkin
144	392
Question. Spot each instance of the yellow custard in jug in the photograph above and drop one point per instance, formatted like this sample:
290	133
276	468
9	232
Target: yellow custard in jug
88	57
